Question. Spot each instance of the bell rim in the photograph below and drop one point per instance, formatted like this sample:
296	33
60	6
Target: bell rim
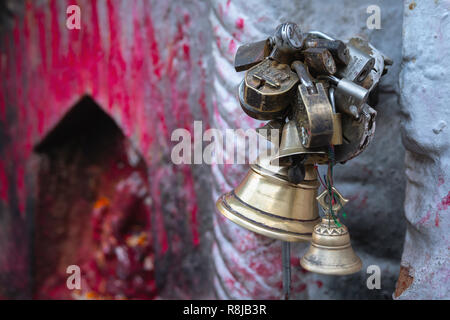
293	152
306	184
254	226
332	270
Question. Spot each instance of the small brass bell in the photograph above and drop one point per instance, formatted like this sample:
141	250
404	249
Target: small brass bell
265	202
330	251
290	146
269	129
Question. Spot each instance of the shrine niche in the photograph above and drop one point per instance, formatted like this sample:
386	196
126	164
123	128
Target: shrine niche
92	210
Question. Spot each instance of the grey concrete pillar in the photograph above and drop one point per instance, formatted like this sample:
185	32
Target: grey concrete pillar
425	96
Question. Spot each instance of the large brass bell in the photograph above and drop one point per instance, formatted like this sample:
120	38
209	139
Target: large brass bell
290	146
330	251
265	202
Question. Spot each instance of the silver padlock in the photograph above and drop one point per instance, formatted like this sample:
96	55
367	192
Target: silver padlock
287	42
359	66
349	97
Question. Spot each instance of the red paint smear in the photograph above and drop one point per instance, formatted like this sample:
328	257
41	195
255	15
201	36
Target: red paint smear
40	19
157	206
20	183
139	63
22	111
186	51
232	46
319	284
161	129
195	233
4	186
262	268
202	97
436	220
445	203
426	218
56	85
117	69
2	105
2	97
300	288
218	42
303	270
96	51
191	203
55	33
154	51
240	23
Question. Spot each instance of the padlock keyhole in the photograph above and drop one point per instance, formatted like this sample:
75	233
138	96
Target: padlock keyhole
261	84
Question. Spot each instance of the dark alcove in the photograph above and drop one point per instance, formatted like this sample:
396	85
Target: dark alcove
93	211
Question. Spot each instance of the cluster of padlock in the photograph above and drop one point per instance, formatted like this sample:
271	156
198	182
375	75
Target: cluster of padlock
316	91
320	84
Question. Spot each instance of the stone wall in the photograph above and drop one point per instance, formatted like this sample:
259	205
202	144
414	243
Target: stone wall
155	66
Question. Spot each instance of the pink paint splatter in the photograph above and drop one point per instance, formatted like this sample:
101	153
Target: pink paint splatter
240	23
445	203
20	183
426	218
436	220
442	206
232	46
302	287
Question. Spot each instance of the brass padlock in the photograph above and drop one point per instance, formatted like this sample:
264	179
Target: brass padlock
268	90
336	47
321	60
314	114
251	54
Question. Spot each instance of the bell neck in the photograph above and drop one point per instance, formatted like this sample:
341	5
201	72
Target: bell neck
310	172
328	220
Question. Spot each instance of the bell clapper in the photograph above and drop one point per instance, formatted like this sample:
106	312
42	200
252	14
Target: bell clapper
296	172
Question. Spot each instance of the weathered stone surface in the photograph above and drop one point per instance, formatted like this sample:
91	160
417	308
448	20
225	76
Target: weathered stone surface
425	95
145	63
